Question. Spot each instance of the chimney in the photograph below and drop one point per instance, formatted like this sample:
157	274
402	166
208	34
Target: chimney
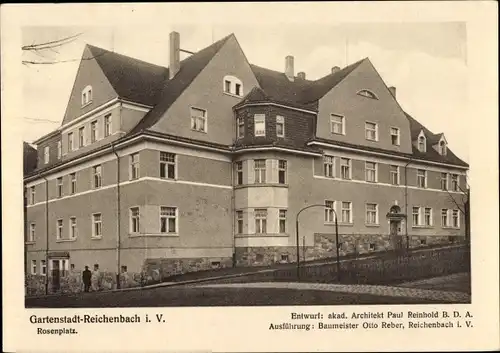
301	75
289	71
393	91
175	62
335	69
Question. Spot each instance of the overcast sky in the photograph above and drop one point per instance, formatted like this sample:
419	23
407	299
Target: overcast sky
425	61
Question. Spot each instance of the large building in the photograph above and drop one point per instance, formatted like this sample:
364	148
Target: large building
206	164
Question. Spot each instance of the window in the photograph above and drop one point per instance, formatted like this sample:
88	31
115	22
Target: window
371	131
367	93
81	137
282	221
395	136
444	181
134	166
282	172
455	219
32	195
59	231
394	174
107	125
444	218
284	257
345	168
259	121
421	178
371	172
241	127
167	165
371	213
346	212
43	267
239	173
97	176
239	222
233	86
96	225
260	171
198	119
280	126
72	178
134	220
428	217
93	131
421	144
31	234
328	168
329	211
86	95
46	154
168	220
442	148
454	182
72	228
71	145
416	216
337	125
59	149
260	221
59	186
33	267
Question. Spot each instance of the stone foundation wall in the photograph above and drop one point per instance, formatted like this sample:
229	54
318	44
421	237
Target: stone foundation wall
160	268
265	256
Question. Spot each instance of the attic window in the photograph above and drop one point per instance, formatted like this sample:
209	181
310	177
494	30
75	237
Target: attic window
233	86
442	148
368	94
421	143
87	95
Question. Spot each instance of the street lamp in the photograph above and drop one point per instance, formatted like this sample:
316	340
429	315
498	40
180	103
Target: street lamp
297	235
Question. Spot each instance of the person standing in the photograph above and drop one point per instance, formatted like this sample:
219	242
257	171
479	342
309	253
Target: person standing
86	278
96	278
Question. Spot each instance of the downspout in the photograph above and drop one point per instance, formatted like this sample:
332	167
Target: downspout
406	204
233	215
46	235
118	226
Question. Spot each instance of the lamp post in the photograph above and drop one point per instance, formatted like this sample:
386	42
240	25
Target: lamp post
297	236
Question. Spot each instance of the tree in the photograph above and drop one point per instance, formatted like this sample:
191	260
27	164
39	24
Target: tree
464	207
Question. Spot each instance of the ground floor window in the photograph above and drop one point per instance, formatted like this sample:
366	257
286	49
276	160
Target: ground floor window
33	267
43	267
260	221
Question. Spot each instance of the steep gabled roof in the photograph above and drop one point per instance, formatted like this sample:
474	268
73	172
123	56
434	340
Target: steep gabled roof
30	158
132	79
172	89
431	139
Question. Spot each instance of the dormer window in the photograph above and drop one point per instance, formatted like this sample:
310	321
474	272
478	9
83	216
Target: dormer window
421	142
87	95
442	148
233	86
367	93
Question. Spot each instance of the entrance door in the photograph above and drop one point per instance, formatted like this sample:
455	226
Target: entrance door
56	275
394	233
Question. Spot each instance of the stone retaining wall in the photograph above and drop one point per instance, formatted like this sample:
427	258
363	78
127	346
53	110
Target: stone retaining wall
158	269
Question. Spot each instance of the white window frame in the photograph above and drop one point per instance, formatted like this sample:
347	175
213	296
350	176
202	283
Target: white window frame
447	181
259	171
73	228
233	82
239	222
374	170
32	233
134	227
96	220
443	149
195	120
46	154
59	149
71	141
259	119
280	120
260	220
86	95
419	177
282	169
367	93
422	142
391	173
445	212
238	171
425	209
33	267
32	195
97	176
72	183
59	187
329	166
165	214
43	267
418	214
397	134
457	212
348	209
134	166
368	218
330	211
282	215
335	123
373	130
455	184
108	125
240	127
59	229
94	131
343	167
168	159
81	137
